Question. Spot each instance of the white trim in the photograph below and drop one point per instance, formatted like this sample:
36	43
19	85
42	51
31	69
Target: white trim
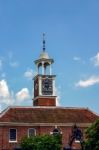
4	111
51	133
12	141
54	91
45	96
77	141
34	131
44	124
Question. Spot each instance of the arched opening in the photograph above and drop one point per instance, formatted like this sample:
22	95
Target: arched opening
31	132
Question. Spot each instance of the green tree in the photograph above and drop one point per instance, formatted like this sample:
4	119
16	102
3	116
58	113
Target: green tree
92	135
42	142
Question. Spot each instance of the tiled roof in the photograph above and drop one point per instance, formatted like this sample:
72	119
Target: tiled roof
48	115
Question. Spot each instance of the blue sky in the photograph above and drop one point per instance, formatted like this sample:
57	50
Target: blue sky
72	39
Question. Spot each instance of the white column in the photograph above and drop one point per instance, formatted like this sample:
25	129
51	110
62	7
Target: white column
42	68
54	90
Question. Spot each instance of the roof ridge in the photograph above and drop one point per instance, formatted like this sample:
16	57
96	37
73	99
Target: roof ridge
44	107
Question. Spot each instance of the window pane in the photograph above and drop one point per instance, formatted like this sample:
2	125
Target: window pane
56	131
32	132
12	134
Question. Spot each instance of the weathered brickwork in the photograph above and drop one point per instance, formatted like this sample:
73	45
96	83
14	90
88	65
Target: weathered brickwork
23	131
44	120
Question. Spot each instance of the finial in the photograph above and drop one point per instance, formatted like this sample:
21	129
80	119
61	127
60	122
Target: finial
43	42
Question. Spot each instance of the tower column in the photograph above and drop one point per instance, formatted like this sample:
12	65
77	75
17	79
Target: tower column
43	69
54	90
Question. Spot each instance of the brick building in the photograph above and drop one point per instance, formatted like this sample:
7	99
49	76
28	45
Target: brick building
44	117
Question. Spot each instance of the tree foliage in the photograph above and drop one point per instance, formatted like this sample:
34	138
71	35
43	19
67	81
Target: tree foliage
42	142
92	142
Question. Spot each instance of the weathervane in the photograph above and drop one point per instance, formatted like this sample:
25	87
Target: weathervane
43	42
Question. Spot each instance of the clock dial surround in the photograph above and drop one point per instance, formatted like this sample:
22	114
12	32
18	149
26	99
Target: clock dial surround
47	88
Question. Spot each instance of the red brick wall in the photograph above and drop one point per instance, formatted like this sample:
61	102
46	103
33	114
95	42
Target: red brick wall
36	88
23	131
45	102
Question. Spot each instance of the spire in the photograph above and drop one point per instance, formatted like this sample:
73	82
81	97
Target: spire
43	42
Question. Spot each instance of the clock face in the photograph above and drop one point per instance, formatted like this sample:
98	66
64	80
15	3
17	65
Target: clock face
47	86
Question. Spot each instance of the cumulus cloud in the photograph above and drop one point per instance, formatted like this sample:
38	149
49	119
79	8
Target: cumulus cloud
4	91
88	82
95	60
23	94
8	97
5	94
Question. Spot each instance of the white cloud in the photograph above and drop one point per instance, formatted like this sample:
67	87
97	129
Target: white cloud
22	95
4	91
88	82
8	97
14	64
95	60
29	74
5	94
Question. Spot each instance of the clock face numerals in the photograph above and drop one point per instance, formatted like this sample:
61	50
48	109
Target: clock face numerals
47	88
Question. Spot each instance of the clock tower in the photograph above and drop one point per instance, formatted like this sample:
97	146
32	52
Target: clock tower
44	81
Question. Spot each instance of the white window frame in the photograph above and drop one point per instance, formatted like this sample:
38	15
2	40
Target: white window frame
13	141
51	133
34	131
77	141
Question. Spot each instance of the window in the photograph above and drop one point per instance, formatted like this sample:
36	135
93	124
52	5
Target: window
31	132
56	131
12	135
